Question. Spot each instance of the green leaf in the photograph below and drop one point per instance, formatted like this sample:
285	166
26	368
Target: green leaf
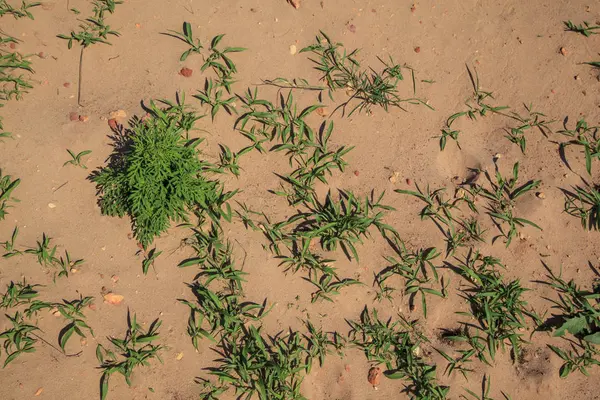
593	338
573	325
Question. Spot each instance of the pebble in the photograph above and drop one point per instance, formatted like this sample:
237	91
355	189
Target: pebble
417	49
186	72
563	51
293	49
84	118
73	116
540	195
117	114
51	205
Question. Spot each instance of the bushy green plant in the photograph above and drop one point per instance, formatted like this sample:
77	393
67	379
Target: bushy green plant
155	176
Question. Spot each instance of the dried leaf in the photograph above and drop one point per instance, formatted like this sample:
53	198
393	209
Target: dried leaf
374	376
114	299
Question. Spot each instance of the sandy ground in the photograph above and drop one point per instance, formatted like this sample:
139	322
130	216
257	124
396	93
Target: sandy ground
514	46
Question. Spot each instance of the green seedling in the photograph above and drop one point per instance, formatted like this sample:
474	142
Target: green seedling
134	350
220	62
76	158
478	106
92	30
534	119
229	161
7	185
584	202
9	245
219	313
159	178
187	37
67	265
502	196
72	312
149	259
19	339
209	390
17	294
418	272
213	96
595	64
272	367
396	345
7	9
587	137
577	314
460	363
496	305
586	29
13	84
342	223
43	251
328	284
341	70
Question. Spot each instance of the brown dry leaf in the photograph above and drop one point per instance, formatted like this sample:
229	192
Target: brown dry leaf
39	391
112	298
374	376
295	3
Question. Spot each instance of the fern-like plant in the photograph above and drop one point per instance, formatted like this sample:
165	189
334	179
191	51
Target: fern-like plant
155	175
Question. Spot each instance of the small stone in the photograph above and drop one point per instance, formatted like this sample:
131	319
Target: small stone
563	51
577	78
114	125
51	205
115	278
12	46
84	118
540	195
322	111
73	116
352	28
83	341
413	8
293	49
295	3
41	54
67	84
74	270
39	391
417	49
138	25
179	356
187	72
394	177
356	173
117	114
409	181
497	156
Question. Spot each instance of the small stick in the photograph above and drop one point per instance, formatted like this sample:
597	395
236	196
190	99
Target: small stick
79	84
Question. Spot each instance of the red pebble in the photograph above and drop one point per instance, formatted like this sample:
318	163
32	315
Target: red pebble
12	46
356	173
73	116
417	49
66	84
408	181
186	72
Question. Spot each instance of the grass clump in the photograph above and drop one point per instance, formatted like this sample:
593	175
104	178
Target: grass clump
135	349
577	322
584	202
7	185
397	345
497	306
21	12
155	176
368	87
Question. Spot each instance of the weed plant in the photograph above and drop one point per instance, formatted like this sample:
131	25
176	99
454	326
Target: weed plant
157	178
